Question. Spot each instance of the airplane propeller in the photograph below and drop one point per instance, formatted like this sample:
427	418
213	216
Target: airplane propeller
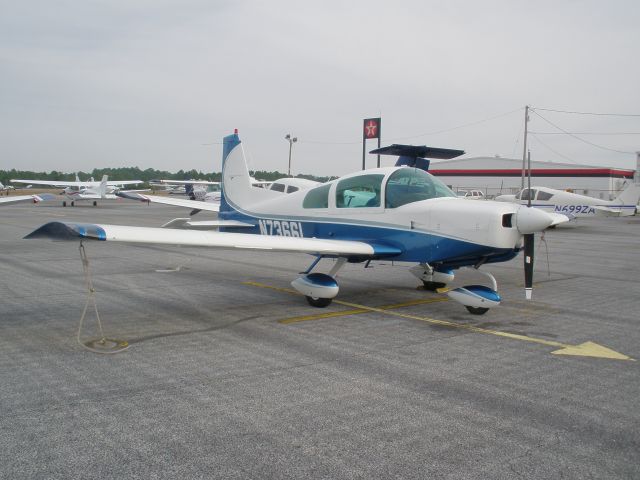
528	221
528	264
529	241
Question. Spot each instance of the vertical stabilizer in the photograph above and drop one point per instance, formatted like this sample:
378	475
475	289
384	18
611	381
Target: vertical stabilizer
629	196
103	186
229	143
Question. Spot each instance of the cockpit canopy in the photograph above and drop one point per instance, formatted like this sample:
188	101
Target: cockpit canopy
402	186
533	194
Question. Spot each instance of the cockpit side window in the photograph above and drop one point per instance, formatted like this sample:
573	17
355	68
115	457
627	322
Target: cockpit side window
359	191
544	195
317	197
524	195
408	185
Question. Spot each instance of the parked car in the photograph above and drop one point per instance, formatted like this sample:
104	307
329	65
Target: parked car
472	194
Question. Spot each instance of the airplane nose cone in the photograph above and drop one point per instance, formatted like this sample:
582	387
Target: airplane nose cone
505	198
530	220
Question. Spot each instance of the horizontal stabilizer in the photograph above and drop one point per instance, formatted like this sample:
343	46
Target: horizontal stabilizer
205	224
178	202
418	151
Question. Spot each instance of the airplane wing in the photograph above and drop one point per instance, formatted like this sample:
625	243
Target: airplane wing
27	198
178	202
186	182
196	238
53	183
115	183
205	224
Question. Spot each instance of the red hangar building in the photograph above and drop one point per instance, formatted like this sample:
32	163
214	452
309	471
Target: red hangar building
497	175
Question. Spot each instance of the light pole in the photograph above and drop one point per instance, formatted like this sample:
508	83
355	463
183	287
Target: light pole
291	142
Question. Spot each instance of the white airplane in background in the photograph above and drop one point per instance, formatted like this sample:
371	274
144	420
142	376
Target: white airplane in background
211	201
6	188
413	217
559	201
78	190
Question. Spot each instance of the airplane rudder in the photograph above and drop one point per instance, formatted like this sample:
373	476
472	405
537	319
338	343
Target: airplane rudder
630	195
228	144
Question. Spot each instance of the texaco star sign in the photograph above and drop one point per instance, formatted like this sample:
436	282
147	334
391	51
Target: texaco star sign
371	129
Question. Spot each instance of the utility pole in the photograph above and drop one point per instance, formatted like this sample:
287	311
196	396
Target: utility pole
529	177
524	149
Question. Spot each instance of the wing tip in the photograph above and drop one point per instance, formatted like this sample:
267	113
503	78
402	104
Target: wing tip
68	231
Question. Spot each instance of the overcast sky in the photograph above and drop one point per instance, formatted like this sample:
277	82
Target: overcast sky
150	83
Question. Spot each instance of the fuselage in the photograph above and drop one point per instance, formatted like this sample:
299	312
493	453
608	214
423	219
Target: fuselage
401	208
558	201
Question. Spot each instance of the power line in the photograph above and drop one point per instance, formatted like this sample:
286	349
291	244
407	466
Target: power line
551	149
579	138
320	142
437	132
459	126
587	133
589	113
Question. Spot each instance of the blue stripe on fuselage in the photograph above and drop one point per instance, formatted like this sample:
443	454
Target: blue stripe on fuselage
415	245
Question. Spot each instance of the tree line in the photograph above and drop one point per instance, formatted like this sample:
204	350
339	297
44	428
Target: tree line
135	173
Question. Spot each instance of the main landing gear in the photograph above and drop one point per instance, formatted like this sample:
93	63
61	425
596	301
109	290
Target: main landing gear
319	288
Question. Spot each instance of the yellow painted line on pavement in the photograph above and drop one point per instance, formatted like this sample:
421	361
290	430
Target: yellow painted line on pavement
357	311
588	349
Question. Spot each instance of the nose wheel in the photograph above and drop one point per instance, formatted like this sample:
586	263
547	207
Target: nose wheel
319	302
477	310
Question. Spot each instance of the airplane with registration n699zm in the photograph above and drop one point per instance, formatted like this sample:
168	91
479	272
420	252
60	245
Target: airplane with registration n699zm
399	213
559	201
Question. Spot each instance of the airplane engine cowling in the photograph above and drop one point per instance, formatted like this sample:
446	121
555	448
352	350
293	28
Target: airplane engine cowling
530	220
476	296
316	285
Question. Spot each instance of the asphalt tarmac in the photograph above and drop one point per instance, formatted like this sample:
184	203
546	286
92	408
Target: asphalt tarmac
230	375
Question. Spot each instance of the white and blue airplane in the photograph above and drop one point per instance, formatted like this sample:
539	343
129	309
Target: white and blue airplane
560	201
411	217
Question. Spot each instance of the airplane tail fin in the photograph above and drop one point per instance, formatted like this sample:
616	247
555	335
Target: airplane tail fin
629	196
229	144
238	193
103	186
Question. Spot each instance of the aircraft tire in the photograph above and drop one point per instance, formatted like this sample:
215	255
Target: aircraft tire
73	204
64	203
95	203
319	302
477	310
433	286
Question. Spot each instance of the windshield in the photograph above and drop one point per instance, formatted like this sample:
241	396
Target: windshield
408	185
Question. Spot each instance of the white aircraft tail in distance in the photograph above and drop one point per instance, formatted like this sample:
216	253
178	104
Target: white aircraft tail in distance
399	213
559	201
